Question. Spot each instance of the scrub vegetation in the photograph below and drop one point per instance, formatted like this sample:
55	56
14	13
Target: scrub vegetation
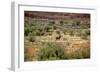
56	36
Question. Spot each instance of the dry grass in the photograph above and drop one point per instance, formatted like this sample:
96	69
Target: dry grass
77	45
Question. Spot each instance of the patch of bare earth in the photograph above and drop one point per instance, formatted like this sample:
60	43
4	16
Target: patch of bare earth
32	52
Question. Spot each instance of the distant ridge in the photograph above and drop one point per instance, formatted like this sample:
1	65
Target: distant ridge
55	15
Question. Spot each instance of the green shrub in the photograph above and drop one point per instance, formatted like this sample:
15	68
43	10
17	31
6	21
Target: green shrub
84	35
32	39
71	33
51	23
26	31
37	33
88	33
53	51
54	27
47	28
78	23
61	22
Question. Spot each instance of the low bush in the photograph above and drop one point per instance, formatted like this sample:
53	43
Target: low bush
32	39
53	51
